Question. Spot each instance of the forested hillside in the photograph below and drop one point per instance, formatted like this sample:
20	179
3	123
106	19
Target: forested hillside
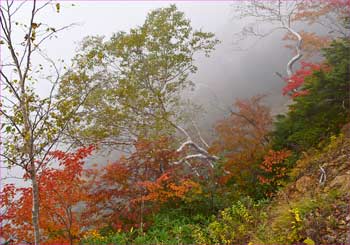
258	178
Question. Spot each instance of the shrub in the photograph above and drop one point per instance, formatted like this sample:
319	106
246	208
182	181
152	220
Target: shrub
234	225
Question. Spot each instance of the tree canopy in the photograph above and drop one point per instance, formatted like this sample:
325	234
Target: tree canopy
139	78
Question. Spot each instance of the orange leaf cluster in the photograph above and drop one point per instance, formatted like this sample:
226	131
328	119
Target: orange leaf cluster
272	165
312	42
165	189
60	192
118	191
243	138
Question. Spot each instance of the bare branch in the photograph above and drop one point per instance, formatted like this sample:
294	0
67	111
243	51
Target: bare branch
298	50
19	7
200	135
280	13
9	83
195	156
52	33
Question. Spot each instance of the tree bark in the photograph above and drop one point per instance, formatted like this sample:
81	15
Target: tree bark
35	211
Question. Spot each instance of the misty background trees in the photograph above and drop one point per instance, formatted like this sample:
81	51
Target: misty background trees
131	92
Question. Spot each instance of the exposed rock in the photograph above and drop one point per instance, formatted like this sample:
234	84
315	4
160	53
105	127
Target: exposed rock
303	184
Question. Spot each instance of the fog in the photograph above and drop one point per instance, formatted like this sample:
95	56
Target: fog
228	72
226	75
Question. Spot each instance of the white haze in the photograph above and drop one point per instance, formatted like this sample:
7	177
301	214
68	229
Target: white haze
226	75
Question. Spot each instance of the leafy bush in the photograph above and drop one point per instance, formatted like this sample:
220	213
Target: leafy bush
95	237
234	225
166	229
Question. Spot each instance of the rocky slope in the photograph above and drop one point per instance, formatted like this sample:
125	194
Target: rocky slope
314	208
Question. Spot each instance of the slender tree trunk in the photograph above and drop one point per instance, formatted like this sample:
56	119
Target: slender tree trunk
141	211
29	147
70	237
30	153
69	227
35	210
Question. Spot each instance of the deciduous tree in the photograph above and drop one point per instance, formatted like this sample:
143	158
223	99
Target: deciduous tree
142	75
242	141
124	192
60	194
274	168
31	123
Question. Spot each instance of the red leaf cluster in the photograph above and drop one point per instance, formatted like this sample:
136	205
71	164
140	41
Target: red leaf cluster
60	192
298	78
124	192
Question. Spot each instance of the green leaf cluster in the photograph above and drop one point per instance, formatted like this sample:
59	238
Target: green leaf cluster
136	79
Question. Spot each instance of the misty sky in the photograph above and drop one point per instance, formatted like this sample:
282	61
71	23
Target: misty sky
229	73
226	74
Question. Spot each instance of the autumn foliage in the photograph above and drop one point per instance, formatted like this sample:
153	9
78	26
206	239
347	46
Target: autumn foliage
295	82
166	189
60	195
124	192
328	14
272	166
243	138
